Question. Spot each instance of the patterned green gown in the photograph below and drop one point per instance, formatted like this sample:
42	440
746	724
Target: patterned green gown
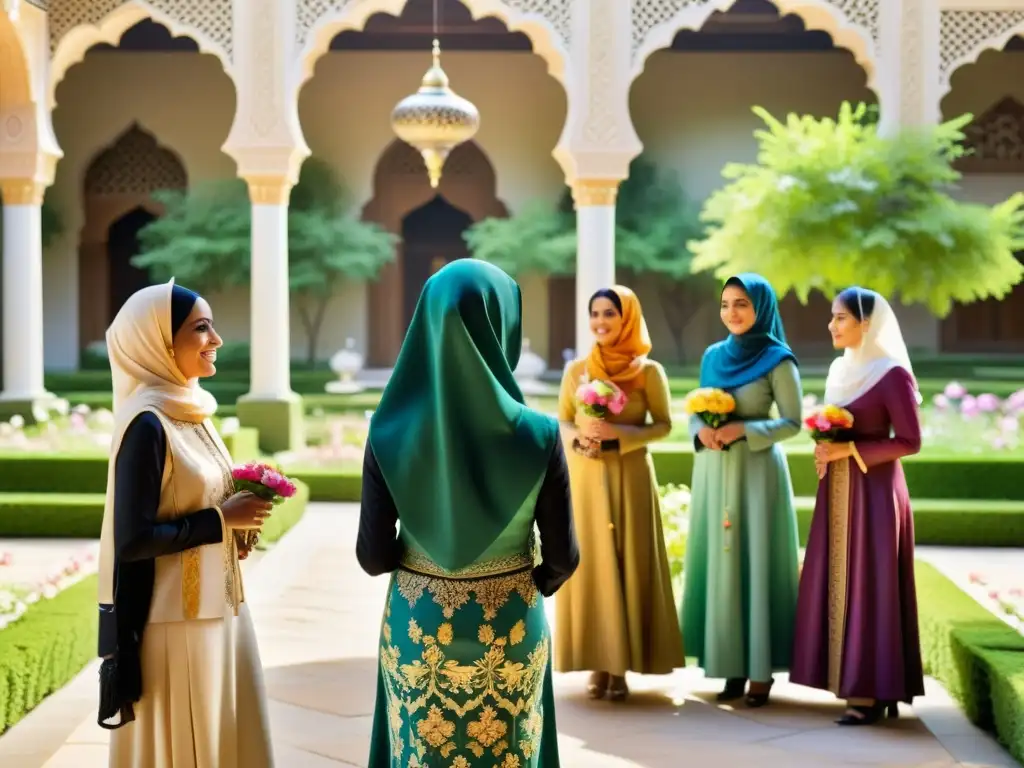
465	670
739	598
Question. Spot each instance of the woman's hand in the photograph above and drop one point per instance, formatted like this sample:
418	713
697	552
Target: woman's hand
728	434
245	511
708	440
829	452
596	429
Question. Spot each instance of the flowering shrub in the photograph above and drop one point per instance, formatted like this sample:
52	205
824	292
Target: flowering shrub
71	430
331	441
675	514
16	598
978	422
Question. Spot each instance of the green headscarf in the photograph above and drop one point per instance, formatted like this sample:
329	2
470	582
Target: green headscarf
459	450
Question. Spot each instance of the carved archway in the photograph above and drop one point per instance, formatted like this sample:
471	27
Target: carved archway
120	180
852	24
547	23
400	186
78	25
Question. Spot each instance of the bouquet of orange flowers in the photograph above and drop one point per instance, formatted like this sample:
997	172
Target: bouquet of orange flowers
826	423
714	406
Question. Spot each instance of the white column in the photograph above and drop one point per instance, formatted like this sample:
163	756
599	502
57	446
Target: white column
23	290
595	249
270	335
907	77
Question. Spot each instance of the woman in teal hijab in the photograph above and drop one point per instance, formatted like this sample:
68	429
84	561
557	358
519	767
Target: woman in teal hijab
739	597
456	457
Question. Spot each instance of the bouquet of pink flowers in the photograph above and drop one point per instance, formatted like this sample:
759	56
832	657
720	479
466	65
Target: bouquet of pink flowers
597	399
264	481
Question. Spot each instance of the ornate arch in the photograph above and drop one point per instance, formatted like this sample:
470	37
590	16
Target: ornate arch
400	186
965	35
120	179
135	164
77	25
853	25
547	23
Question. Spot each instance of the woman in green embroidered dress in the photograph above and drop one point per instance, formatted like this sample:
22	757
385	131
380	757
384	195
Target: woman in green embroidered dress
468	470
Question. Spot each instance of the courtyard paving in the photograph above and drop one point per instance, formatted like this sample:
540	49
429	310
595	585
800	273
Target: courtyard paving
318	618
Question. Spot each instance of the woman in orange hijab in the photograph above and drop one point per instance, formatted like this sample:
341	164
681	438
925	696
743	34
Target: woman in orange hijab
617	613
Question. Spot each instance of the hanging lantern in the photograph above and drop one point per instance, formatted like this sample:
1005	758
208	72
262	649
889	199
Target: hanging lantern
435	119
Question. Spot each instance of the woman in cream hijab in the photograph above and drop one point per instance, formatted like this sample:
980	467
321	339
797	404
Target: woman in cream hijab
181	684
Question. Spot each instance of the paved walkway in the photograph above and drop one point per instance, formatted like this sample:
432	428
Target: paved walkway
318	619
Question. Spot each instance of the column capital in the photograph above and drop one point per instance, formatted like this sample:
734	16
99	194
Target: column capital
592	192
269	190
22	191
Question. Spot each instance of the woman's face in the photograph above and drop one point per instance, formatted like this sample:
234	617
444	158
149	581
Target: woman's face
737	311
196	343
847	331
605	320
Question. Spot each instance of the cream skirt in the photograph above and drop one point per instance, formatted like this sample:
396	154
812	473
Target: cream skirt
203	702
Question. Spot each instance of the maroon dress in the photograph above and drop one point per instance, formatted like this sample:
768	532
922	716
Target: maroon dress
856	617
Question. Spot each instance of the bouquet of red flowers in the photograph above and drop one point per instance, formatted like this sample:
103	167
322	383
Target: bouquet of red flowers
268	483
826	423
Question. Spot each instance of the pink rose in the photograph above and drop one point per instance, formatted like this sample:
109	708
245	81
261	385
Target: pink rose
590	397
249	472
617	403
988	403
955	390
822	424
940	401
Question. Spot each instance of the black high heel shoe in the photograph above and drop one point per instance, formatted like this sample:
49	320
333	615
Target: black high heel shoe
734	688
865	715
759	699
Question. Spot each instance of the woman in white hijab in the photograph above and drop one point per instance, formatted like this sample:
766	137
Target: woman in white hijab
181	685
856	625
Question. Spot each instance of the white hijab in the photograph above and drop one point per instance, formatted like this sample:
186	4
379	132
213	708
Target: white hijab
145	378
881	350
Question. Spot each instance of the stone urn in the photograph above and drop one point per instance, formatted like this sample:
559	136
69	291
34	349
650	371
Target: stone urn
347	363
531	367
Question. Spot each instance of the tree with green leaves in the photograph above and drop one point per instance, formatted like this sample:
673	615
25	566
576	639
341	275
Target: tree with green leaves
655	222
833	203
204	240
540	239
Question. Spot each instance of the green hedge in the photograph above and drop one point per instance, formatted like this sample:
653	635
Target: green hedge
989	478
80	515
45	649
976	656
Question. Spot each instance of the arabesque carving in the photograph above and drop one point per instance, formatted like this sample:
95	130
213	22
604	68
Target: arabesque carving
964	35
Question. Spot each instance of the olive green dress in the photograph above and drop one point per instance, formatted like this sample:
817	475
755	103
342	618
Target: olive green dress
742	573
617	612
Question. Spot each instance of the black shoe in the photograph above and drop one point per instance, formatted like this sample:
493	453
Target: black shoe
894	710
734	689
755	700
865	715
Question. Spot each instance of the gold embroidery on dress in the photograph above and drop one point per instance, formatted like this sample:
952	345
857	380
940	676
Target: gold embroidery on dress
491	593
427	686
191	580
838	545
416	561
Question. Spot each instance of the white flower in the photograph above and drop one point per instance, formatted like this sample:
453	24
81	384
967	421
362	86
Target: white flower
18	421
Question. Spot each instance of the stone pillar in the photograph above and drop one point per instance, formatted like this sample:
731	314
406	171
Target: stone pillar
23	296
266	141
595	251
908	67
598	141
